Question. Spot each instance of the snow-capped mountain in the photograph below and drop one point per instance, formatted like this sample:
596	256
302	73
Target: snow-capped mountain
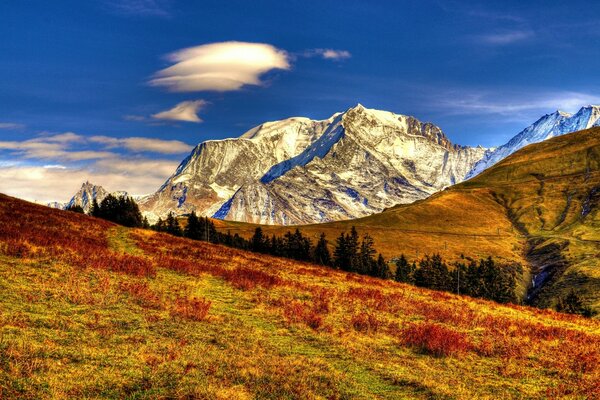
550	125
86	195
298	170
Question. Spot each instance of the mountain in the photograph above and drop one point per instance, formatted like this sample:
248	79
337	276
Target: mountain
86	195
550	125
299	171
539	207
94	310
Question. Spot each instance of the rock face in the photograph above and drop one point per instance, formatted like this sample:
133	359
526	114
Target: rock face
299	171
550	125
86	195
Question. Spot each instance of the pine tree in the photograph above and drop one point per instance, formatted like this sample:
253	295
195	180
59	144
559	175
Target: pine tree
572	304
192	229
382	268
172	225
404	271
95	209
145	223
321	254
366	257
258	241
75	208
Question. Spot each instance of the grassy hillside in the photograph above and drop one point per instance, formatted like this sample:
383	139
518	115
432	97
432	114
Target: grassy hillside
89	309
538	207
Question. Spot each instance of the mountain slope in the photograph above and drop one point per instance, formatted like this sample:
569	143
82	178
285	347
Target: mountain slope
538	207
550	125
85	197
300	171
93	310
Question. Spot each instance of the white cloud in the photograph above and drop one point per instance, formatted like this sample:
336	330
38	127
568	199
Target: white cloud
139	144
184	111
145	8
11	125
55	183
71	159
518	104
327	54
220	67
505	38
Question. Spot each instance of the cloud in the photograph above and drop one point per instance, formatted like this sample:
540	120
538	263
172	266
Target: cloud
328	54
141	8
516	104
136	118
184	111
51	167
55	183
11	125
220	67
505	38
141	144
70	146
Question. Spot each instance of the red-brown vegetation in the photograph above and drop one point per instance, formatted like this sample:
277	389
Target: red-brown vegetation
194	309
436	339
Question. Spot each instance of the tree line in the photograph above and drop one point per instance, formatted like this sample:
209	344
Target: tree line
484	279
352	253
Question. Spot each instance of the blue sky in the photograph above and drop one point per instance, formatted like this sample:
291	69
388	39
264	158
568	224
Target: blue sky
103	89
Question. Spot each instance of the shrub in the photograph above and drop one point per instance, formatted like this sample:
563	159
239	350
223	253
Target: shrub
436	339
364	322
246	278
297	312
193	309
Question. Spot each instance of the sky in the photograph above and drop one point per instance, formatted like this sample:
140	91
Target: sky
118	92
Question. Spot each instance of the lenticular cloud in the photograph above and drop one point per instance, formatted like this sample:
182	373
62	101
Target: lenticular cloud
219	67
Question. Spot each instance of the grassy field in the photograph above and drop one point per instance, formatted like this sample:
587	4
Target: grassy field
539	207
92	310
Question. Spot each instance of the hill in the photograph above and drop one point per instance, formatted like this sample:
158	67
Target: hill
90	309
538	207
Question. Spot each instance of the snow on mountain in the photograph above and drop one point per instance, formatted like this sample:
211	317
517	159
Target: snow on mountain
550	125
302	171
216	169
86	195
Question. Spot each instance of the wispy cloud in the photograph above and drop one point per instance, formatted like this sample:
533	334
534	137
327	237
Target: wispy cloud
327	54
220	67
141	8
11	125
73	147
516	104
142	144
506	37
185	111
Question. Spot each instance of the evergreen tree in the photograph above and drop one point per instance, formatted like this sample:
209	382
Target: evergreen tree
366	257
321	254
572	304
340	253
123	210
192	229
404	270
95	209
172	225
382	269
75	208
433	273
145	223
258	242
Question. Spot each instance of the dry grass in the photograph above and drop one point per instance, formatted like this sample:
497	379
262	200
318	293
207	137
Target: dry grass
213	322
535	196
